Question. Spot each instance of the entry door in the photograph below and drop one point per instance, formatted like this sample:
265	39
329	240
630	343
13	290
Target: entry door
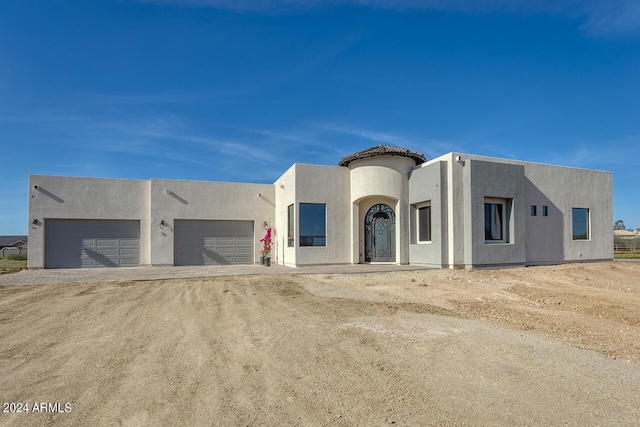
381	240
380	234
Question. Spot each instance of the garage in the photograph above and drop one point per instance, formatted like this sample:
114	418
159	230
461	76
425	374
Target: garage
81	243
213	242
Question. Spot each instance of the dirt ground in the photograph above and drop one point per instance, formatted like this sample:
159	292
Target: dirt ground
556	345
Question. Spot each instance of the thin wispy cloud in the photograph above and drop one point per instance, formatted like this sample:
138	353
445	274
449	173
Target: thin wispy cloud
602	17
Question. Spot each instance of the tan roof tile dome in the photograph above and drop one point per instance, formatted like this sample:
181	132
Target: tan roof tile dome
382	150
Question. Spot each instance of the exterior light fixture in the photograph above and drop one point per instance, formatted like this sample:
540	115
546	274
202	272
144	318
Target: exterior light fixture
266	225
34	224
162	223
259	194
167	191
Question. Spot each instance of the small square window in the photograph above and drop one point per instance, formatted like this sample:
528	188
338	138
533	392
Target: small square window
545	211
534	210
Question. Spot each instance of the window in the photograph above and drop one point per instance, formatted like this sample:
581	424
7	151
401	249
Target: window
290	231
424	224
495	221
545	211
580	218
534	210
313	224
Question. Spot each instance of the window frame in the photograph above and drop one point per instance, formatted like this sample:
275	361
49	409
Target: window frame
534	210
504	220
545	210
587	224
291	231
419	207
302	238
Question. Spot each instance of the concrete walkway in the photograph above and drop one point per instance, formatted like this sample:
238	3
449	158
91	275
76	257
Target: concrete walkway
125	274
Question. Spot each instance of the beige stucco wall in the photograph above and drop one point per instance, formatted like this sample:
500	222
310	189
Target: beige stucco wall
285	193
60	197
206	201
429	184
486	179
547	239
550	239
328	185
384	177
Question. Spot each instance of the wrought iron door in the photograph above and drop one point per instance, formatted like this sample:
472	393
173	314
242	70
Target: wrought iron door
379	228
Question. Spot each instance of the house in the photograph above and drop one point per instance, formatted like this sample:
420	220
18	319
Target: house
13	245
13	242
379	205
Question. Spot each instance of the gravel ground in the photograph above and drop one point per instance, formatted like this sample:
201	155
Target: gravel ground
529	346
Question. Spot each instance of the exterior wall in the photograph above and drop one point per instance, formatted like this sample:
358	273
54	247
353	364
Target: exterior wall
388	177
483	179
206	201
285	192
550	238
58	197
429	183
328	185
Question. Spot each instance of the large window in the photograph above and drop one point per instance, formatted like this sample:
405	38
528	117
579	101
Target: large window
424	224
290	230
495	221
313	224
580	218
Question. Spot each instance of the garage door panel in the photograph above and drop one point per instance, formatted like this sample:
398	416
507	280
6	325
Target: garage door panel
106	243
213	242
129	251
91	243
107	251
133	243
225	242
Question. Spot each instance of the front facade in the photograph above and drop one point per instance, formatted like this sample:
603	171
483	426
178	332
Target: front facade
380	205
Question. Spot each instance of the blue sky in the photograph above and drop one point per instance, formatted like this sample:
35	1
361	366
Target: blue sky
229	90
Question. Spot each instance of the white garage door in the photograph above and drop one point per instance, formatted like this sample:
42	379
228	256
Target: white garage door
199	242
72	243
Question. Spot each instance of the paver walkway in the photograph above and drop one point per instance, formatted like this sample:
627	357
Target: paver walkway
124	274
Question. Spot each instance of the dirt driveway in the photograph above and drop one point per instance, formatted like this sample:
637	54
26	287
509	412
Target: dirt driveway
536	346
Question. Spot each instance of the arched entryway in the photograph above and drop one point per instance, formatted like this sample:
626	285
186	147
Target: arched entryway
380	234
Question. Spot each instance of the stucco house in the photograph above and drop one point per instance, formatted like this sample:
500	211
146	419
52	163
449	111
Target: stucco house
383	204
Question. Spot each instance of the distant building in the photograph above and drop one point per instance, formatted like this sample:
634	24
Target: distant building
13	241
624	234
13	245
379	205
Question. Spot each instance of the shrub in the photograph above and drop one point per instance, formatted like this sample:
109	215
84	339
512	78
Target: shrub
17	257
